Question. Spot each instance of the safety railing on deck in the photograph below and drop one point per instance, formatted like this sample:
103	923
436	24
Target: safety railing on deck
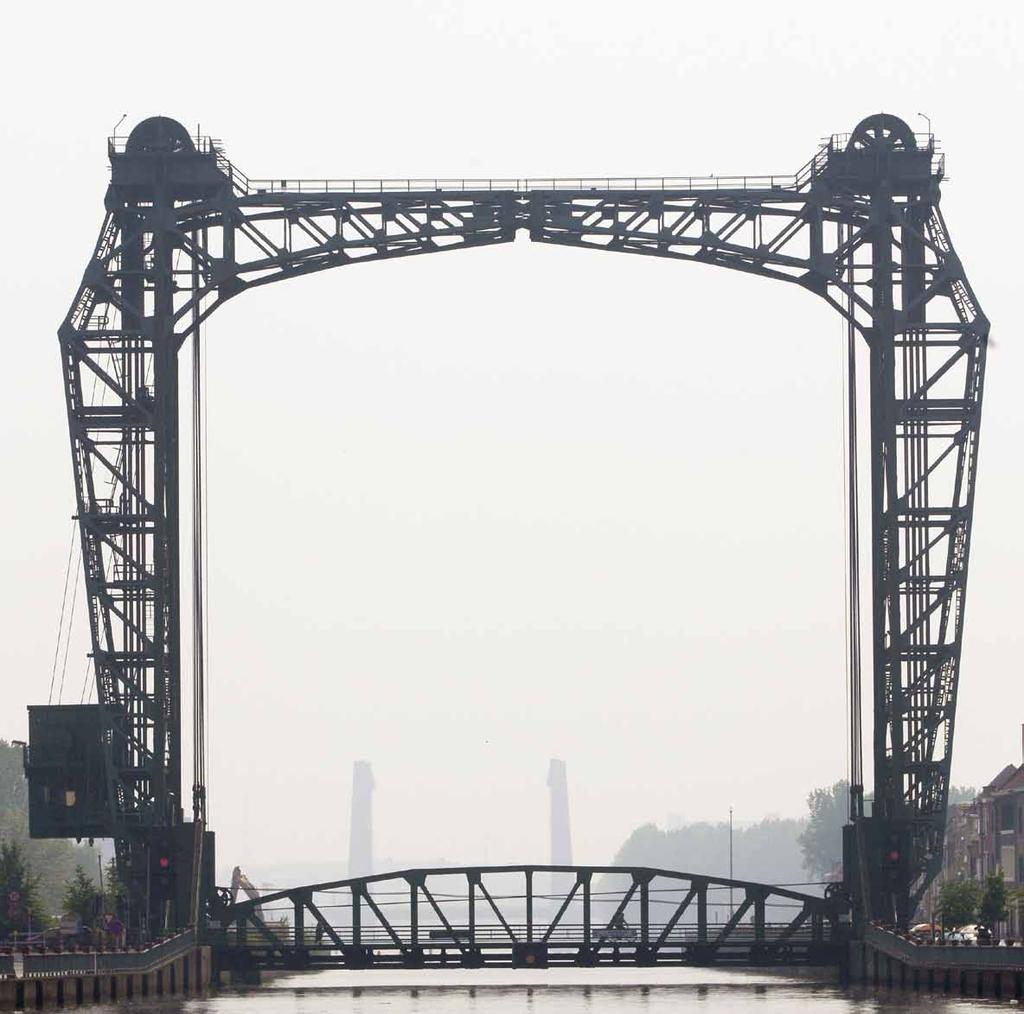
59	963
435	937
521	185
926	955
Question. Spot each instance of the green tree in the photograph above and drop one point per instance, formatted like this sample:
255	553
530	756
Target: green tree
114	890
80	894
958	902
18	880
992	908
54	859
766	851
828	810
821	842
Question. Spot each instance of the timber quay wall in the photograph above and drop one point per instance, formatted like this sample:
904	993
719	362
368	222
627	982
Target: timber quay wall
884	958
177	966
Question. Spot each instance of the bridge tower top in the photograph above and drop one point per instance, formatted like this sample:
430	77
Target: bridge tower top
160	156
884	148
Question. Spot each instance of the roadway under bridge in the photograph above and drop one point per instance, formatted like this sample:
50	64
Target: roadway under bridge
531	917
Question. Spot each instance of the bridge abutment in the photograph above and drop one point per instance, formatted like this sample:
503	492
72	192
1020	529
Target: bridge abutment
49	987
889	961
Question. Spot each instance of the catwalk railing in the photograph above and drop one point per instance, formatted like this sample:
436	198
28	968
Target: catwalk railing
939	956
48	964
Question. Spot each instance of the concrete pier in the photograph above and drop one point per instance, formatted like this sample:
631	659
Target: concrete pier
185	973
886	959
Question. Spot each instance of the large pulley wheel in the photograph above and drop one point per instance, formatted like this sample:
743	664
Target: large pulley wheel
882	132
159	134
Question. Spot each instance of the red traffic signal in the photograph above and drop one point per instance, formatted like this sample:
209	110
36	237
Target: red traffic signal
164	862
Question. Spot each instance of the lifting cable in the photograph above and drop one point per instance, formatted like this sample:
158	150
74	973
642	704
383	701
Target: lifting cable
74	596
199	706
853	555
198	611
858	877
63	609
86	685
67	640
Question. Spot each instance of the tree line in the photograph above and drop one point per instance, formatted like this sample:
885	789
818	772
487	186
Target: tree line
773	850
35	874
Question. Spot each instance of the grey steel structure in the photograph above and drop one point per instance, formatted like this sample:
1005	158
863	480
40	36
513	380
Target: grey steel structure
859	226
472	917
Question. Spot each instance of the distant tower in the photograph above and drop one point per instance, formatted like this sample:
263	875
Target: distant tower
561	836
559	884
360	842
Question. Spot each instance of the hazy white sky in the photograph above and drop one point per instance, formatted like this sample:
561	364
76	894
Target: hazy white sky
469	512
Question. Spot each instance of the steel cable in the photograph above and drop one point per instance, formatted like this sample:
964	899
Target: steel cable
63	606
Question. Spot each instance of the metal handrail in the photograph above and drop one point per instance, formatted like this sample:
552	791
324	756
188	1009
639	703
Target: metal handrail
204	145
926	955
242	184
494	933
522	185
91	962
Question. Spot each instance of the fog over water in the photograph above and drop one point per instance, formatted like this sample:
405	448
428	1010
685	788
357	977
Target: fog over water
473	511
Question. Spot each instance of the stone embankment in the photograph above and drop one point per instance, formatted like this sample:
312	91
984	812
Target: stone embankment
885	958
47	980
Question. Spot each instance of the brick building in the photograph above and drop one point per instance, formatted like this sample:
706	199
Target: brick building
984	836
1001	813
961	853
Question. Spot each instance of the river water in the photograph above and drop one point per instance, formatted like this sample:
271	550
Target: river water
562	991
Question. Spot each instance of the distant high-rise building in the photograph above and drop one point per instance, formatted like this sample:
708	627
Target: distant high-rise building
561	835
360	842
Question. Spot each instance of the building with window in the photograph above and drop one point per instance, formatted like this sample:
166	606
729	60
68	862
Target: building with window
961	853
983	836
1001	819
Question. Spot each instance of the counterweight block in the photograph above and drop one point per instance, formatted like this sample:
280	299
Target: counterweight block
68	766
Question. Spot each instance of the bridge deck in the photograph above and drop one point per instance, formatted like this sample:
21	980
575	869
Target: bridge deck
494	917
564	950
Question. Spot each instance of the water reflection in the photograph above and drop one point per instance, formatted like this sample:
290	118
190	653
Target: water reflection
565	991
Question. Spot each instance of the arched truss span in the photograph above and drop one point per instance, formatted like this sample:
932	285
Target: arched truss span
859	225
531	916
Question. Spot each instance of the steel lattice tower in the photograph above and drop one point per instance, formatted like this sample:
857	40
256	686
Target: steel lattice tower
859	226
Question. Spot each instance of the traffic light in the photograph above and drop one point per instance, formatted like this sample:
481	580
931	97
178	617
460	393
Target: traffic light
893	852
169	880
161	863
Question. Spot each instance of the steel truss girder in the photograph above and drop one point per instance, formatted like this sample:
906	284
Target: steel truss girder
530	916
182	234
